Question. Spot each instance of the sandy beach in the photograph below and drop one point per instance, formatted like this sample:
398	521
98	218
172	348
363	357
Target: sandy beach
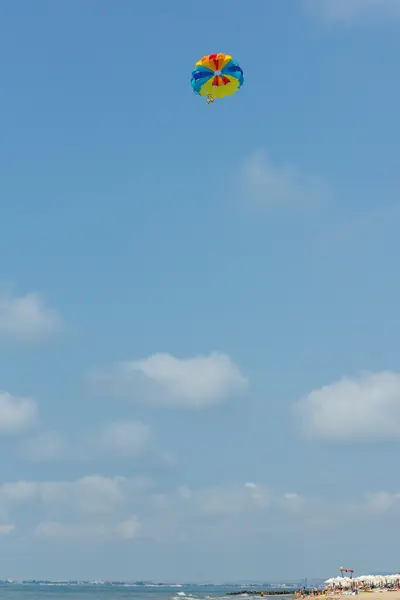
395	595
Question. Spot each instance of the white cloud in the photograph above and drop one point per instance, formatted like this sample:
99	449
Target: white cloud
16	414
268	184
27	317
123	508
360	408
349	11
122	438
165	380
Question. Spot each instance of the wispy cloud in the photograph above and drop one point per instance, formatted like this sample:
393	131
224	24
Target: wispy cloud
127	529
127	438
123	439
46	446
94	507
89	495
268	184
352	11
7	528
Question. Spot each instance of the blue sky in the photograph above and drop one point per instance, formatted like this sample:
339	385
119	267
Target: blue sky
199	357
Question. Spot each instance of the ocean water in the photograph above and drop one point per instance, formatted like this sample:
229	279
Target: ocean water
114	592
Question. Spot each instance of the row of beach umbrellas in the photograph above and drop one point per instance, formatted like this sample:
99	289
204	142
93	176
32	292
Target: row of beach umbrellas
377	581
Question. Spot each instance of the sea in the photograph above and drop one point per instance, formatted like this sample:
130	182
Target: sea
119	592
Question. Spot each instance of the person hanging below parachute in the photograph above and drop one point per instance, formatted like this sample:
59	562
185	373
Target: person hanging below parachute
216	76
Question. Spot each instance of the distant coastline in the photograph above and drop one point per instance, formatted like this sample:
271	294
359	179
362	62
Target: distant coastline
236	588
74	582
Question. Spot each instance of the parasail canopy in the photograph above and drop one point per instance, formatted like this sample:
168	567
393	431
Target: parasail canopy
216	76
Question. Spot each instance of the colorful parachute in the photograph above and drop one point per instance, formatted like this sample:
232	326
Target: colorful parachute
216	76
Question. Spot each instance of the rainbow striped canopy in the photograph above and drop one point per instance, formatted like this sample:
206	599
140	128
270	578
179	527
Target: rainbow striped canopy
216	76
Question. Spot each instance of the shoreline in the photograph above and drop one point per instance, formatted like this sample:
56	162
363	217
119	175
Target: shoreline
283	592
372	595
